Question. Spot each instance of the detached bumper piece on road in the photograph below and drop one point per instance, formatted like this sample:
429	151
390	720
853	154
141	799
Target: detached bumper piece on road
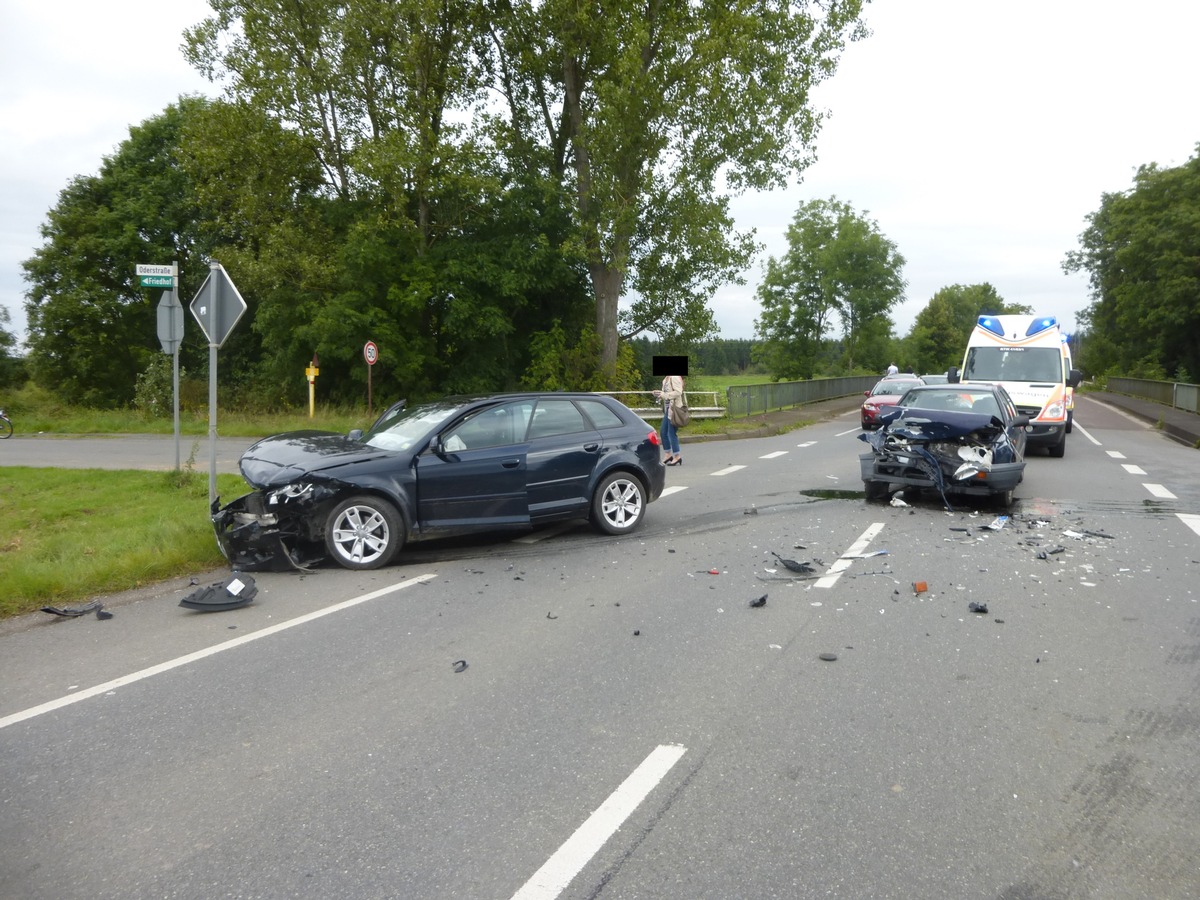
956	454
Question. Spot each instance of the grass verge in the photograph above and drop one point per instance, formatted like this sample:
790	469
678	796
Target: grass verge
70	534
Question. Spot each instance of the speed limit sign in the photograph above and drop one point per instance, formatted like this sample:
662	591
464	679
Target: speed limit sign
370	353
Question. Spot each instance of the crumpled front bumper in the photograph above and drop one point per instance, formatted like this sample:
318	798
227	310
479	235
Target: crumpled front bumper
920	468
255	537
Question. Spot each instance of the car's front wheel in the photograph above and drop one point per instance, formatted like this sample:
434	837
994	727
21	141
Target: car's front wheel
619	503
364	533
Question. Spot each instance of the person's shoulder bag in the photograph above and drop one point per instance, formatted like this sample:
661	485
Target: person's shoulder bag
678	412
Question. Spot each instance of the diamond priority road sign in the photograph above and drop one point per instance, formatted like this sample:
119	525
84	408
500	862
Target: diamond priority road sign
217	306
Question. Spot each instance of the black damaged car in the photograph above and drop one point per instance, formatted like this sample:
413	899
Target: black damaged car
500	462
957	439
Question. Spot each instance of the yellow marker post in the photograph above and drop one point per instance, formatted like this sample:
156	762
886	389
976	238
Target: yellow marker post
312	372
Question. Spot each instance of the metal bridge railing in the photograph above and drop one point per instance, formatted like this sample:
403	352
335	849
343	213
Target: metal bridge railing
1169	393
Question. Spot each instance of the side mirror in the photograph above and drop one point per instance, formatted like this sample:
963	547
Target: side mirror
355	434
866	393
952	376
1074	378
1020	421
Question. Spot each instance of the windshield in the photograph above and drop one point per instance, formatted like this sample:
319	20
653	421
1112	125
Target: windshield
400	429
1014	364
958	399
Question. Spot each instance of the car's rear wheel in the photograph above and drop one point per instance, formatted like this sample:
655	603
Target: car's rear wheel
619	503
364	533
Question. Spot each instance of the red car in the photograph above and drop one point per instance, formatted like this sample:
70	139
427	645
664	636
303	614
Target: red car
885	394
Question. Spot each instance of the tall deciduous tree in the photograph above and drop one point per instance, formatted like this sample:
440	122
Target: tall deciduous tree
655	112
837	266
1141	251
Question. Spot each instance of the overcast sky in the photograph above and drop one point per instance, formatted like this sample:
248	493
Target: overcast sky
978	136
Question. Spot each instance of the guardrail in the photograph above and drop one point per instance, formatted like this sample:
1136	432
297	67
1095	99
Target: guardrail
645	405
751	399
1169	393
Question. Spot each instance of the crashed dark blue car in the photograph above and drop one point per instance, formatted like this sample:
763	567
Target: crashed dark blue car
500	462
958	440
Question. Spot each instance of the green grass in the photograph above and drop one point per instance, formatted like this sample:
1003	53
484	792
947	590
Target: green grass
74	533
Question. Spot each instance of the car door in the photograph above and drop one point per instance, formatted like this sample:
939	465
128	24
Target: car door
563	451
472	477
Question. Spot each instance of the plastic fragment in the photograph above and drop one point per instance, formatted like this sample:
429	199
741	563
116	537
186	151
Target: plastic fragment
827	657
920	587
896	501
73	612
996	524
460	665
980	608
232	593
759	602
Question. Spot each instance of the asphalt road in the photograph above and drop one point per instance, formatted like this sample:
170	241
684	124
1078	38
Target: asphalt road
628	726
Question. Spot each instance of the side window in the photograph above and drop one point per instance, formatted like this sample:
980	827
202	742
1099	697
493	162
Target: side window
556	417
492	427
601	415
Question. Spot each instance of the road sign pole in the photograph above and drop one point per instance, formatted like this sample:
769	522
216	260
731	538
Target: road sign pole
212	381
176	310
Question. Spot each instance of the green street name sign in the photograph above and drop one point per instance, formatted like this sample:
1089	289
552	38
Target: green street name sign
157	281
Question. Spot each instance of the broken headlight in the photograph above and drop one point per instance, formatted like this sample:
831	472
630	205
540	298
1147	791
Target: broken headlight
289	493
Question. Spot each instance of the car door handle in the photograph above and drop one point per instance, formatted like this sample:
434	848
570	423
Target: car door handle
511	463
591	448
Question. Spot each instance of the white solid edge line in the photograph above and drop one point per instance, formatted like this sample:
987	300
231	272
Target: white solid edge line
558	871
1159	491
1077	427
673	489
834	572
170	664
1191	521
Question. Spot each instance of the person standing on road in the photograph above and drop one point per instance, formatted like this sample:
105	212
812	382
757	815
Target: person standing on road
892	370
672	390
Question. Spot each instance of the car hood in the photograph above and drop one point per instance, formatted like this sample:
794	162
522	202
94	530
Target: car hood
282	458
914	424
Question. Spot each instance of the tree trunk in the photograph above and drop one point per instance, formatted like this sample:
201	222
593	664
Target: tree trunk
607	284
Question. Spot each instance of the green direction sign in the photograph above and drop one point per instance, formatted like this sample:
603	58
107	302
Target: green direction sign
157	281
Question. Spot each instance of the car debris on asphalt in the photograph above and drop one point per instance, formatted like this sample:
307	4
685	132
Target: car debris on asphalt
234	592
74	612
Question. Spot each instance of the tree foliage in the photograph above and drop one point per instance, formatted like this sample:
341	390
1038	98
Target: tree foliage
838	267
649	111
91	326
1141	251
11	366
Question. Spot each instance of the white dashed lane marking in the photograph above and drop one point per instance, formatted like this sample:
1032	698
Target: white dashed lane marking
1132	469
1160	492
774	455
729	470
1115	454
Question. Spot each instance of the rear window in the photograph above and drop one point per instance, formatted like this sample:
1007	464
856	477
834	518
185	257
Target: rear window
600	414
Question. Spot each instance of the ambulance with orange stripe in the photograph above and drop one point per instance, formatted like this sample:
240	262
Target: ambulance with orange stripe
1029	356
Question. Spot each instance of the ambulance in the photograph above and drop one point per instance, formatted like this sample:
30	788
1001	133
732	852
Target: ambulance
1030	357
